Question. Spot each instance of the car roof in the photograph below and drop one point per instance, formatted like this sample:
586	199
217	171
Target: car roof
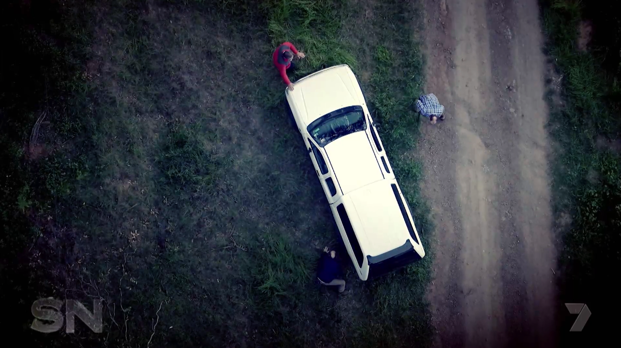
354	162
376	218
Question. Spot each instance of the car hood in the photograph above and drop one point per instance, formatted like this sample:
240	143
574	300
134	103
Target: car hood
325	92
353	161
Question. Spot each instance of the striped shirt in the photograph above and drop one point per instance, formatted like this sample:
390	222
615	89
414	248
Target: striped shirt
428	105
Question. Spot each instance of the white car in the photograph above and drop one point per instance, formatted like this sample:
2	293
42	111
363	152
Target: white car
373	217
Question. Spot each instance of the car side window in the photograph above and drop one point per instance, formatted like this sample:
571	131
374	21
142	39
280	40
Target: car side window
349	230
385	165
323	167
403	212
376	139
331	186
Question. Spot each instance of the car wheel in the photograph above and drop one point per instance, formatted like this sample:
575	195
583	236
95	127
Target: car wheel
338	235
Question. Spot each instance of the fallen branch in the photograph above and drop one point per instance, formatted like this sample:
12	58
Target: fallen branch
112	312
241	247
157	314
125	317
34	134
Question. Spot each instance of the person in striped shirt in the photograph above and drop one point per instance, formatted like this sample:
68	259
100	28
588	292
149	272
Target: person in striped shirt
429	106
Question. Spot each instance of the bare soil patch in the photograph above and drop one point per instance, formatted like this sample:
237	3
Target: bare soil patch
486	176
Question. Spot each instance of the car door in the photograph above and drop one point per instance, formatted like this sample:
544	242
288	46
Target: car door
379	149
324	171
349	238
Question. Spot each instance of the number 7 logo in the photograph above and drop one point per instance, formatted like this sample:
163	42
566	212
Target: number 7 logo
583	315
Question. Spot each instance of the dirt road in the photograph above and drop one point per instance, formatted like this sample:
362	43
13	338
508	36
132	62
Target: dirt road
486	176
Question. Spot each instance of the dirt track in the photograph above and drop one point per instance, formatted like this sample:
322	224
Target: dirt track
486	176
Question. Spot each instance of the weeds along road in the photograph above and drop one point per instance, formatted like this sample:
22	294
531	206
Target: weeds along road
486	176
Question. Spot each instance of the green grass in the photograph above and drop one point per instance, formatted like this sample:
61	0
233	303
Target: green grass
313	25
185	164
396	79
586	174
170	177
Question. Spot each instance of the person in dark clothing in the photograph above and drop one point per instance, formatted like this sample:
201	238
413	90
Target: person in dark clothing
283	60
329	270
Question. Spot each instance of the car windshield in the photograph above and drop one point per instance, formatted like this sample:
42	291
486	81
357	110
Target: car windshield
336	124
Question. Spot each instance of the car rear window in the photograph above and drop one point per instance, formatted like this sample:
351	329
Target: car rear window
393	260
349	230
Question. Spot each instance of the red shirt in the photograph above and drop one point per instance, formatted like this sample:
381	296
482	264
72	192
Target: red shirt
282	68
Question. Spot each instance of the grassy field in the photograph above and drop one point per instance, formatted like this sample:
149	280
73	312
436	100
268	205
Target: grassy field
585	100
163	176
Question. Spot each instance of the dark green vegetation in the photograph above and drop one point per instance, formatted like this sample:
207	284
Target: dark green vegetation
165	179
586	125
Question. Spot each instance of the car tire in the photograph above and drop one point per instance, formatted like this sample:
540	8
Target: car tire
339	237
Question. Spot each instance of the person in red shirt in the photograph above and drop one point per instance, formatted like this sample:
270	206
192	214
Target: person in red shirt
283	60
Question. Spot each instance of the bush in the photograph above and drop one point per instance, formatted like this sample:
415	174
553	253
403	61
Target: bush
586	180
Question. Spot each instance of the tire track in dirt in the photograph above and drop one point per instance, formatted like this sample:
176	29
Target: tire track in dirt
486	175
